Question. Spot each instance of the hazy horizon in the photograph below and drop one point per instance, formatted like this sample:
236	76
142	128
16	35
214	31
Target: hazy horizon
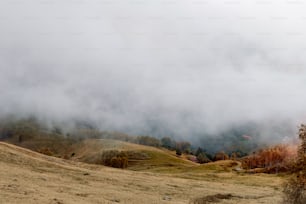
169	67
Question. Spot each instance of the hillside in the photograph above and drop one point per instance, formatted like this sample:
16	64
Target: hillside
140	157
30	177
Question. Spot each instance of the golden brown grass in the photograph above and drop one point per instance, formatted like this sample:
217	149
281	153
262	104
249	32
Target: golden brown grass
140	157
30	177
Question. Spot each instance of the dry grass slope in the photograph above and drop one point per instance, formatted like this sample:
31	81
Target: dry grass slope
29	177
141	157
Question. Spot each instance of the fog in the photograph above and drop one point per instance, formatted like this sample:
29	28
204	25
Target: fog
178	68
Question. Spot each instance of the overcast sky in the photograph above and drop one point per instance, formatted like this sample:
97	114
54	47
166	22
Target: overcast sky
138	65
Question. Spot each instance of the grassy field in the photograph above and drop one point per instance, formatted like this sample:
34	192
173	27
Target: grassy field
141	158
163	161
30	177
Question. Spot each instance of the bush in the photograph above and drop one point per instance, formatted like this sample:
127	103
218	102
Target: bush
274	159
202	158
295	191
178	152
168	143
221	156
183	146
199	151
114	158
119	162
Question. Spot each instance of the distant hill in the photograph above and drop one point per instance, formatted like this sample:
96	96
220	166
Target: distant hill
140	157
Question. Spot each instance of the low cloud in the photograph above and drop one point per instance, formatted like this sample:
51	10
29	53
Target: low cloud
155	67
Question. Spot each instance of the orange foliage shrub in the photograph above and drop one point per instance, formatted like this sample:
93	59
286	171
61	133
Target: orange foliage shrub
221	156
273	159
119	162
114	158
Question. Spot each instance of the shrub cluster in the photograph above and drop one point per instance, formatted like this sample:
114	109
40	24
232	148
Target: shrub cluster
273	159
221	156
114	158
295	188
202	158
